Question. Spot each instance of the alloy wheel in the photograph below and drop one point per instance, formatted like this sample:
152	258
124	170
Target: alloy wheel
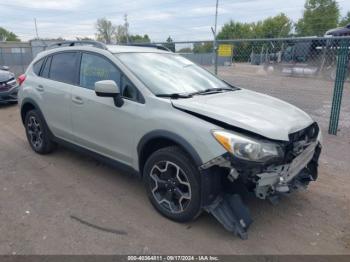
170	188
35	132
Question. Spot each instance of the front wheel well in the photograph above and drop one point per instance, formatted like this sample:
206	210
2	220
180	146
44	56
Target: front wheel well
25	109
155	144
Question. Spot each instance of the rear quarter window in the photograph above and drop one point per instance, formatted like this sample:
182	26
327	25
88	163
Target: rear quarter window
46	68
37	66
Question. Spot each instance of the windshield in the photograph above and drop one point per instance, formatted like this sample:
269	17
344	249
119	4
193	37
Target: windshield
165	73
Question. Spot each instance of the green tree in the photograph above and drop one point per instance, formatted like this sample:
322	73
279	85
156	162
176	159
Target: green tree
203	47
105	30
272	27
7	35
236	30
345	20
318	17
139	39
120	34
121	38
170	44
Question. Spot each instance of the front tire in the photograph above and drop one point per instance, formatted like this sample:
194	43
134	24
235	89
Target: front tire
172	184
38	133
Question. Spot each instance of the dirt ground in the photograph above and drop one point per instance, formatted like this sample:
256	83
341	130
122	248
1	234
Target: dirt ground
67	203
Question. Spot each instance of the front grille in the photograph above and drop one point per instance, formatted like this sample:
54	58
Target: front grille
308	134
298	141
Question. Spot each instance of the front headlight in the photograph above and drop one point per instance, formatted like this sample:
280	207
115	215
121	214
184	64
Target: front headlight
247	148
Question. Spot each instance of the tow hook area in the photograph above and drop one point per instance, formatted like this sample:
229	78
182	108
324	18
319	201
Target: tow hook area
231	212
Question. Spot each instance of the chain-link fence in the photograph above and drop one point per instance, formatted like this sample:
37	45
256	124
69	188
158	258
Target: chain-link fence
16	58
18	55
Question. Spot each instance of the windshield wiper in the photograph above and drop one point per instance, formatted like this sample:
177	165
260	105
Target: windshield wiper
213	90
175	95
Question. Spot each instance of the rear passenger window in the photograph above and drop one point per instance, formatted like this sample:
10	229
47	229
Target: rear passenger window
46	70
95	68
37	66
64	67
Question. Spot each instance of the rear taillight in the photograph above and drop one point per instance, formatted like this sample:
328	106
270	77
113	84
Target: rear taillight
21	79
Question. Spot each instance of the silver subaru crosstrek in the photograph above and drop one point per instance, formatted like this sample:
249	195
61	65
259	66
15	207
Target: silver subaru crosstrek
198	142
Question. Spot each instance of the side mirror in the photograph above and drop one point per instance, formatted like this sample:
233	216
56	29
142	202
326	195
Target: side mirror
109	88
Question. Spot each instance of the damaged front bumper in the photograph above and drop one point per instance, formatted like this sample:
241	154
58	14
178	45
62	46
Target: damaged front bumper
289	177
225	180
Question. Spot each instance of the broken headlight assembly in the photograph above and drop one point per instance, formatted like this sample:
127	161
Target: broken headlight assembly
247	148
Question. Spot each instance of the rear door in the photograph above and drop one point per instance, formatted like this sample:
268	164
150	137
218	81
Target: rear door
58	75
97	123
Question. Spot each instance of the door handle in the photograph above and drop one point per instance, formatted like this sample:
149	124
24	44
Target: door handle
40	88
78	100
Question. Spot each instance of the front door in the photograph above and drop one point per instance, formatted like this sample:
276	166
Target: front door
98	124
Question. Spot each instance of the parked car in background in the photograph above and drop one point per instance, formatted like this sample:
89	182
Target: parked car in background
340	31
198	142
8	86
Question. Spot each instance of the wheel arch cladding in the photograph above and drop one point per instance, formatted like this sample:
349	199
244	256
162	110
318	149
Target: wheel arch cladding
158	139
27	105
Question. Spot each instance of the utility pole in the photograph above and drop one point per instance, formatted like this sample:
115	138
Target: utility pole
126	25
36	29
215	38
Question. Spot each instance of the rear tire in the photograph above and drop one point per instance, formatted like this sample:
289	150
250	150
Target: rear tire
38	134
172	184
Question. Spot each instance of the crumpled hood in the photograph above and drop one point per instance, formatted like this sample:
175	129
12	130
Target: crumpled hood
255	112
5	75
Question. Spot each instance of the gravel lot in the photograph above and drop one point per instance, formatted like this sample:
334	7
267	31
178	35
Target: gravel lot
60	203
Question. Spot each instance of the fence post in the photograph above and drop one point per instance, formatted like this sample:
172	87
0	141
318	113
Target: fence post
215	56
22	61
342	67
2	60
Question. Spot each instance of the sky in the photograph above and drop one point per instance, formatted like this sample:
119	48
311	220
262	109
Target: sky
183	20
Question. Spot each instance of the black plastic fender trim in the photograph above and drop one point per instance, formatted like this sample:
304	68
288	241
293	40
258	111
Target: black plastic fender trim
171	136
232	213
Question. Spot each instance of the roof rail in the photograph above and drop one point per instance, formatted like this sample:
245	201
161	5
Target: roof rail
78	43
160	47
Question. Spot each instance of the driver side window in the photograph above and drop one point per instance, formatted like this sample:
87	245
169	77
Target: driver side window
95	68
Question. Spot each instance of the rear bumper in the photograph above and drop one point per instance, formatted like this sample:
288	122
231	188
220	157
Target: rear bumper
9	95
